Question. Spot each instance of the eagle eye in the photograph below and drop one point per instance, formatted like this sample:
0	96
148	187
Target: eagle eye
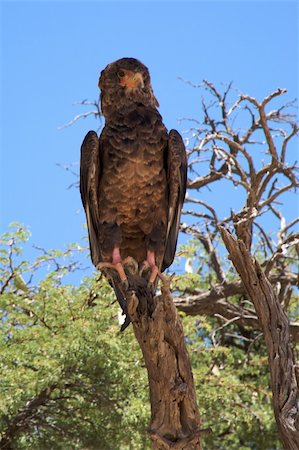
120	74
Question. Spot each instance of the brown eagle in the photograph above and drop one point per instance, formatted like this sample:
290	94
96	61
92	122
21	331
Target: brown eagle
132	179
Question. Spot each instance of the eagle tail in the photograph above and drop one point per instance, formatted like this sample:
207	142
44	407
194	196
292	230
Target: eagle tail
120	296
144	293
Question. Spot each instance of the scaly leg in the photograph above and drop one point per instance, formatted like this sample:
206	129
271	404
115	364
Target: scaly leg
150	263
116	264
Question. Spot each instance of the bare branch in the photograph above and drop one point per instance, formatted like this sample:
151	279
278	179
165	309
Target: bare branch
77	117
96	112
286	141
274	196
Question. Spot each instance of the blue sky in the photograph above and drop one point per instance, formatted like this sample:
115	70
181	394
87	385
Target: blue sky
52	54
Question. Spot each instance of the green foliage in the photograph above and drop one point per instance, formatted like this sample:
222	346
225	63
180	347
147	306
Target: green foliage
232	390
60	348
70	380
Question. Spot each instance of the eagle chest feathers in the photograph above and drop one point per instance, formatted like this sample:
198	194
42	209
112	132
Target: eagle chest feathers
133	186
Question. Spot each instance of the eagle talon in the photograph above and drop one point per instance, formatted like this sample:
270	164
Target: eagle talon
131	264
125	285
156	273
144	270
103	266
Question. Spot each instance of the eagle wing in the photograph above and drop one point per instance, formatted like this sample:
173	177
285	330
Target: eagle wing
176	170
90	175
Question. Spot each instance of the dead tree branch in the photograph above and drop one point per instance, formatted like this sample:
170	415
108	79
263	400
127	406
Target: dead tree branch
275	326
95	112
215	301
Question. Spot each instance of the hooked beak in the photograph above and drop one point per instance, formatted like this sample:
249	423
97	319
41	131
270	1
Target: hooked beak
132	80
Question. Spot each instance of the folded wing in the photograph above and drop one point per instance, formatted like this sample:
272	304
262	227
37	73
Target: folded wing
176	169
90	174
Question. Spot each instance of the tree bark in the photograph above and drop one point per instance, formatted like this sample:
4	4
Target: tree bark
158	329
274	323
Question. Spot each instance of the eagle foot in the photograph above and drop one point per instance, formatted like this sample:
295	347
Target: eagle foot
152	272
125	285
103	266
145	270
131	265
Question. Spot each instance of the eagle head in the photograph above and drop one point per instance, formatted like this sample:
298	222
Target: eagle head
124	83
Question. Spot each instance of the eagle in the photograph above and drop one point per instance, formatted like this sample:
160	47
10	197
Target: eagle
132	180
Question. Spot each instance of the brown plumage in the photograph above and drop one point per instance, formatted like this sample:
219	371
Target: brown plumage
132	178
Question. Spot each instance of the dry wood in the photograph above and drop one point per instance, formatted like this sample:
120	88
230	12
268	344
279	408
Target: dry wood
215	301
175	421
275	326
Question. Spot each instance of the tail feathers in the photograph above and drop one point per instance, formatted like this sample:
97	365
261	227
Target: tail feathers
125	324
121	300
144	293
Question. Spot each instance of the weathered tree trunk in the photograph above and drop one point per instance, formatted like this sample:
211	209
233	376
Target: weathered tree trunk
175	418
274	324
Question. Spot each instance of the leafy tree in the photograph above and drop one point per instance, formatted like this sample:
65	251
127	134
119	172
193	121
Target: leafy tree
71	380
65	378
